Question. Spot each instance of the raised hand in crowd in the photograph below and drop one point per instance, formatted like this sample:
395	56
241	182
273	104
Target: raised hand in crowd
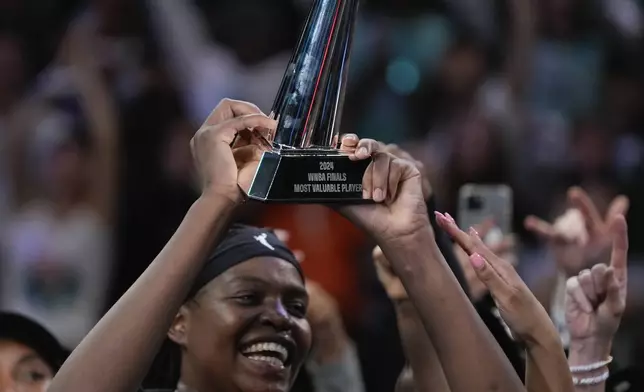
424	371
399	222
547	368
579	237
504	247
595	303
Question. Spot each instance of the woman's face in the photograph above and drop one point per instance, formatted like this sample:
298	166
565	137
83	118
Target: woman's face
246	330
21	369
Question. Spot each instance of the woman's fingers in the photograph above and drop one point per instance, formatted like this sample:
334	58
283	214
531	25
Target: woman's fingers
574	290
588	286
598	273
619	206
489	276
615	296
349	142
230	108
447	223
619	254
580	200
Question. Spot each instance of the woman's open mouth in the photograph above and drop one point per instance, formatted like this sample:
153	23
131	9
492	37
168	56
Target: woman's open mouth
273	353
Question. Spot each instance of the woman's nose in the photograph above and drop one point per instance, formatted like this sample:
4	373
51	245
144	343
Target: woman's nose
276	315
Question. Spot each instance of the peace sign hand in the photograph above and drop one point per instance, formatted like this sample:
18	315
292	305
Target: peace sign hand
580	237
596	298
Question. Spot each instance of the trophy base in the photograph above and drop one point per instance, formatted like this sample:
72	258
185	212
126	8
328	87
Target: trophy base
303	176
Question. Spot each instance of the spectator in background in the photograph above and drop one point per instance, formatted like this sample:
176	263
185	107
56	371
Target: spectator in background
57	244
12	82
29	355
244	63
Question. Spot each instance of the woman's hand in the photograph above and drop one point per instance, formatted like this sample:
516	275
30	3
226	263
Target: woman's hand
390	282
227	148
519	308
395	185
504	247
596	298
547	368
398	152
580	236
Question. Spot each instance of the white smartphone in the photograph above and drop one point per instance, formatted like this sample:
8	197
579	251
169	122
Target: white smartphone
478	203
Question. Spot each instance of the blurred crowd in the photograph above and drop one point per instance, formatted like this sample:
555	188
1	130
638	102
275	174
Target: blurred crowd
99	99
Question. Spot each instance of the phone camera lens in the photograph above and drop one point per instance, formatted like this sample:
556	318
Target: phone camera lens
474	203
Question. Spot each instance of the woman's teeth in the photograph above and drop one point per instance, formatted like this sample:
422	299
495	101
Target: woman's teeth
272	360
273	353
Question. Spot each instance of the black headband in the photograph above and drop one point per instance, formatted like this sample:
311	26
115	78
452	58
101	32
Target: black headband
243	243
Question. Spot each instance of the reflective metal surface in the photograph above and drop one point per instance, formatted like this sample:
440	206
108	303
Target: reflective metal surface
308	105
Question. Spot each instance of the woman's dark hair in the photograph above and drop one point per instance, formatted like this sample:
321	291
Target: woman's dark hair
165	371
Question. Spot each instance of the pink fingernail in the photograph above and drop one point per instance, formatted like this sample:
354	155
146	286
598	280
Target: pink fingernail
473	232
449	217
477	261
438	215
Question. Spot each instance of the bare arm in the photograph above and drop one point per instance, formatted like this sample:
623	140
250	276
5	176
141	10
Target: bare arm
132	331
419	350
434	290
523	21
100	109
585	353
420	353
202	69
546	365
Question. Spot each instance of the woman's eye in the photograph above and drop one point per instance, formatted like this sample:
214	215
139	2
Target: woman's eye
30	376
248	299
36	376
297	309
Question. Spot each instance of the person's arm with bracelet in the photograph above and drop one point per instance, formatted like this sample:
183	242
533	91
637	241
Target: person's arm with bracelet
547	368
595	302
140	320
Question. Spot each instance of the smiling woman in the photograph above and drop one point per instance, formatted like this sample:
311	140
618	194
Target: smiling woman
243	325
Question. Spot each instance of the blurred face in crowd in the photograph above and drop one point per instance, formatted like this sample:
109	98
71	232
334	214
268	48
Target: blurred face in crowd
474	145
623	97
177	159
269	33
21	369
246	330
463	70
557	16
592	148
11	67
68	171
115	15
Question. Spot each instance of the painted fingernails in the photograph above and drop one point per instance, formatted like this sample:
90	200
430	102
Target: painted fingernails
477	261
378	195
